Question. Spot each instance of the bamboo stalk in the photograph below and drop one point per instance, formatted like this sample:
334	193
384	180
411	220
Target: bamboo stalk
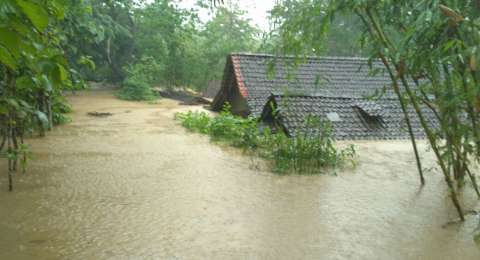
423	122
474	181
402	105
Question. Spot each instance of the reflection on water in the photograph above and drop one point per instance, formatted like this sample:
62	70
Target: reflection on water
136	186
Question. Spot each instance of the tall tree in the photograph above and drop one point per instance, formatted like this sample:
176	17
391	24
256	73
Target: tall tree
163	29
227	32
293	28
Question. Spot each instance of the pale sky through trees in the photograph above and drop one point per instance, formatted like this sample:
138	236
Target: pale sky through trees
257	10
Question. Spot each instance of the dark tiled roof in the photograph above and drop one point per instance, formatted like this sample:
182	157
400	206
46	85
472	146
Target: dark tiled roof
370	108
384	120
329	76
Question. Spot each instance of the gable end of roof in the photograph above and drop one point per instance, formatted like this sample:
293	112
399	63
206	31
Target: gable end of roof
239	76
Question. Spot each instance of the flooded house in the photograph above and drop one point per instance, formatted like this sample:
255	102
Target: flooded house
353	94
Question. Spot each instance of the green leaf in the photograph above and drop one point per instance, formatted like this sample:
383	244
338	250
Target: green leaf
59	9
37	14
87	60
62	73
46	83
10	40
450	44
42	117
24	104
3	110
6	58
12	102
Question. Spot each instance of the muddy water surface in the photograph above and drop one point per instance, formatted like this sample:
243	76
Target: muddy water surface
135	185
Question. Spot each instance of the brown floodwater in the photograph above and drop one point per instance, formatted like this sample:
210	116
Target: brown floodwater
135	185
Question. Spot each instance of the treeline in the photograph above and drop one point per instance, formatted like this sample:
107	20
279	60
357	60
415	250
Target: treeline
140	45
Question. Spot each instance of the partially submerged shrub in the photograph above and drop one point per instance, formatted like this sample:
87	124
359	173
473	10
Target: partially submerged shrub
59	111
311	152
141	76
195	121
135	89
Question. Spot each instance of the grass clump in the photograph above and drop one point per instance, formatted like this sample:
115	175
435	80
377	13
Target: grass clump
307	153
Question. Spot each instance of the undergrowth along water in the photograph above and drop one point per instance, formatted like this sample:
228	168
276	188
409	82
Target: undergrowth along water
307	153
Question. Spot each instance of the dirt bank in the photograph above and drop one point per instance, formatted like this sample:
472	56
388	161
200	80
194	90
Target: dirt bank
135	185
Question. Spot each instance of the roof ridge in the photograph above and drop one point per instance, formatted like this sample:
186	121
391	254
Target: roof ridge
250	54
316	95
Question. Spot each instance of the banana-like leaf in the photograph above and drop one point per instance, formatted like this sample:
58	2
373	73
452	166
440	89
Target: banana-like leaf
35	13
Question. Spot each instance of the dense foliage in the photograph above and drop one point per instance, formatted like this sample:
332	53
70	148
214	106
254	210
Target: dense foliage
186	52
304	154
430	50
297	34
33	73
227	32
165	46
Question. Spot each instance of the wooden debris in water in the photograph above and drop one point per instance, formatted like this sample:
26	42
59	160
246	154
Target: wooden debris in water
99	114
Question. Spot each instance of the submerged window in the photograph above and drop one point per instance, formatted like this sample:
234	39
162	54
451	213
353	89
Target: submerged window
371	113
370	108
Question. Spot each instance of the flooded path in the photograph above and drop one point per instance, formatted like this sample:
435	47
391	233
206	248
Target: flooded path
135	185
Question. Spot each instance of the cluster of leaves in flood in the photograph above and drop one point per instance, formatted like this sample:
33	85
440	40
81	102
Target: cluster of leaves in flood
304	153
430	49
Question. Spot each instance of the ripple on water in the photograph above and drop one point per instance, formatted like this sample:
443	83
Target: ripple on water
137	186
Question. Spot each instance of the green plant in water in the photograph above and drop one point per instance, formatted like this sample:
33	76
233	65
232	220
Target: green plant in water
307	153
136	89
195	121
310	151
